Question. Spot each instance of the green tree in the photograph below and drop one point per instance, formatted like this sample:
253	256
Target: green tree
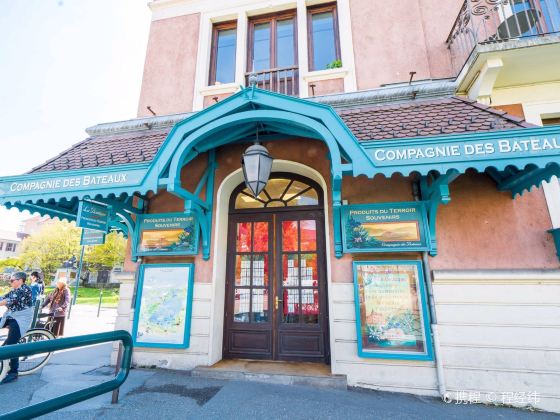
108	255
53	244
10	263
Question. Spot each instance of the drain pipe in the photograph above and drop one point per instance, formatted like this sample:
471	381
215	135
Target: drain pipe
433	317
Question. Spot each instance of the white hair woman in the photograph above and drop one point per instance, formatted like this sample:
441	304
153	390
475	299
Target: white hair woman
59	300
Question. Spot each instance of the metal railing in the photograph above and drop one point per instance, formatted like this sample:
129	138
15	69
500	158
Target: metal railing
490	21
44	407
281	80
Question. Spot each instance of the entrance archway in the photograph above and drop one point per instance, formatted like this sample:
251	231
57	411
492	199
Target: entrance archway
276	290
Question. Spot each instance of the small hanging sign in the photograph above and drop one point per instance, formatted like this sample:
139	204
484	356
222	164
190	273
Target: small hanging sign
92	216
385	227
92	237
167	234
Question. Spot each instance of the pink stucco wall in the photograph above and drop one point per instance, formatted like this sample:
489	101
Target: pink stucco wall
169	70
393	39
484	228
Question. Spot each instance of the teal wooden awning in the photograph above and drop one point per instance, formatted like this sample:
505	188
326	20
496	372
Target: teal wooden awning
517	160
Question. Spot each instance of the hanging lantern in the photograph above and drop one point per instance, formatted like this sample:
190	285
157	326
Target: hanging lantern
257	164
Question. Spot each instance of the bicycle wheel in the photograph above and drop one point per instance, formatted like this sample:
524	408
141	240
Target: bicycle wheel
30	364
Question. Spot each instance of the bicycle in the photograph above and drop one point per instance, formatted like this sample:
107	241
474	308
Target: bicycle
30	364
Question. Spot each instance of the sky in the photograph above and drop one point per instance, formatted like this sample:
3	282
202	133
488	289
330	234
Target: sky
65	65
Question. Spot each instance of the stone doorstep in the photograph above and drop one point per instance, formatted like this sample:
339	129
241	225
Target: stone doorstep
271	376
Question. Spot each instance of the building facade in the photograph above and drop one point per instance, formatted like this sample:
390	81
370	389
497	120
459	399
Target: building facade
9	244
402	238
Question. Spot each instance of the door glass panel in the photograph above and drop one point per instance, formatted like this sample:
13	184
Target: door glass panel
243	238
241	303
290	235
308	232
308	270
260	270
242	270
276	187
290	270
291	306
308	198
260	305
310	306
285	43
260	243
261	47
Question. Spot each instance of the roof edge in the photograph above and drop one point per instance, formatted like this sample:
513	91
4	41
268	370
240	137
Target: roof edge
382	95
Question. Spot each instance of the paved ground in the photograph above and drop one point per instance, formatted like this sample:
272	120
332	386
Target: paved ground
161	394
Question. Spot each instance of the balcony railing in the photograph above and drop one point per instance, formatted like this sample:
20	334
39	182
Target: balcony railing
490	21
281	80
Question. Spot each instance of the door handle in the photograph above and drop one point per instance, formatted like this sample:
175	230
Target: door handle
276	300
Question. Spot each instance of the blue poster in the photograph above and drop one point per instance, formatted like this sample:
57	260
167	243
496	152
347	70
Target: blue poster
385	227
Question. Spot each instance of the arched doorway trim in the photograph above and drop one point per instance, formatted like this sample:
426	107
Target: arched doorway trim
223	195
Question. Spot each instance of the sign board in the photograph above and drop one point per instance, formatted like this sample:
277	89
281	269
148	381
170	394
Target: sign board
92	237
163	309
92	216
517	146
391	313
46	183
385	227
167	234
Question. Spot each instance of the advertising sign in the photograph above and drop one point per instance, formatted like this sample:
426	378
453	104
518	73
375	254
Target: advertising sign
92	237
92	216
391	311
167	234
386	227
163	306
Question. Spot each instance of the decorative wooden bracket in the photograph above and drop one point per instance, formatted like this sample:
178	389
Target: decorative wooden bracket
435	191
337	213
202	209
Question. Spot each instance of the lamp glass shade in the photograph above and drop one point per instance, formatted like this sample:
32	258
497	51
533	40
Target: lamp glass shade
257	164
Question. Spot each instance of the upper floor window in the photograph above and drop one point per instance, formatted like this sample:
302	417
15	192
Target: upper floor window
272	52
324	45
10	247
224	41
1	246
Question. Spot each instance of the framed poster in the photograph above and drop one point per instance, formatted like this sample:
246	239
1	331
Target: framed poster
385	227
167	234
392	319
162	316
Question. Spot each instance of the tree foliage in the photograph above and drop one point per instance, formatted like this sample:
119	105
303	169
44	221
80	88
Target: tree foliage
108	255
10	264
57	241
49	247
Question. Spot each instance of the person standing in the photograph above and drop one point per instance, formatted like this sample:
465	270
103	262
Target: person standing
18	317
59	299
37	286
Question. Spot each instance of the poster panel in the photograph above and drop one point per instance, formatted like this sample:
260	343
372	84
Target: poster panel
167	234
385	227
162	315
391	312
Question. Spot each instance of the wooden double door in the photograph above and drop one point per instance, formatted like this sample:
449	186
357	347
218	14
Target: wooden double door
276	294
